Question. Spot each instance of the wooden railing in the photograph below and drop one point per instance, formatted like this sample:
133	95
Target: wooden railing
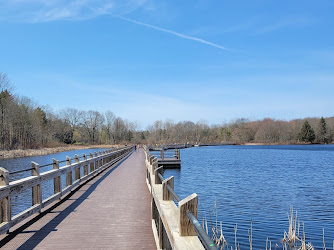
91	167
164	154
169	146
174	226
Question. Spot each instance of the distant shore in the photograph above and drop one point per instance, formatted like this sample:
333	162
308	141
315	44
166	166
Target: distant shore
273	144
7	154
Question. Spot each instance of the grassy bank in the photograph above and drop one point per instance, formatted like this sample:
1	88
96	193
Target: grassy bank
6	154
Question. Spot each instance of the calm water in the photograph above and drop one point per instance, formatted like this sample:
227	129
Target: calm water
261	183
23	200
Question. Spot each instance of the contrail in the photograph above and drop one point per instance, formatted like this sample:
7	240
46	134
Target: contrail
173	33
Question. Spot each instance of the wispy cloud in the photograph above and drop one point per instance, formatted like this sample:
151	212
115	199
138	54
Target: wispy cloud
53	10
173	33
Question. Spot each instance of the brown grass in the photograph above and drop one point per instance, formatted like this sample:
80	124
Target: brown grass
6	154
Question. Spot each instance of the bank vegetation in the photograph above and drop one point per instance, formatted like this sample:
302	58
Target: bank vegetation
24	124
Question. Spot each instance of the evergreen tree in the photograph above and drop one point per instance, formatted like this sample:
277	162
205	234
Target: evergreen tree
306	133
322	131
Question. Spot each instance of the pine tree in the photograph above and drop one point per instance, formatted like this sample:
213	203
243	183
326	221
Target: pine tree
322	131
306	133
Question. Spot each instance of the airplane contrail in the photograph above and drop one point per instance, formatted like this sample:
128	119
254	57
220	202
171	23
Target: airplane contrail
173	33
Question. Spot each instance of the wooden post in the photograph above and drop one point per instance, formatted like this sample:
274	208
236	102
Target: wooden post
162	154
155	164
156	172
36	190
96	162
91	165
69	178
190	203
177	154
166	194
100	161
84	158
77	170
56	180
160	232
5	204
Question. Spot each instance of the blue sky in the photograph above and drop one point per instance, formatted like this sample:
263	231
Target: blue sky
149	60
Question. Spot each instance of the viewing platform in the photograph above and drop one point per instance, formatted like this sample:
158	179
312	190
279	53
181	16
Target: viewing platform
167	158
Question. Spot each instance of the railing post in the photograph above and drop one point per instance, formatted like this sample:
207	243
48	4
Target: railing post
36	190
190	203
85	170
56	180
5	204
166	194
69	178
91	165
160	232
77	170
156	177
96	164
100	161
177	154
154	165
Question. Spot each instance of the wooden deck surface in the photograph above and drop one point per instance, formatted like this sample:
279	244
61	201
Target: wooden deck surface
111	211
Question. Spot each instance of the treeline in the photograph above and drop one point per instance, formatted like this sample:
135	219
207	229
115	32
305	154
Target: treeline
240	131
24	124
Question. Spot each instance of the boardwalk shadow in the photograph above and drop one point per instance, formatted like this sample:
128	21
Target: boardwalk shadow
39	235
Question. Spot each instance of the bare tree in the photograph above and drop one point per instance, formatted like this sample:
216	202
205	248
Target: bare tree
109	121
92	122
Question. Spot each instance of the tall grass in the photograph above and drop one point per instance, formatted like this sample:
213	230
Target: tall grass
291	238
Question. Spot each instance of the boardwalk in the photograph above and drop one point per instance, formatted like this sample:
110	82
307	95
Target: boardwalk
112	211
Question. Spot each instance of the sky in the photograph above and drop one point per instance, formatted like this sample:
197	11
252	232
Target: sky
148	60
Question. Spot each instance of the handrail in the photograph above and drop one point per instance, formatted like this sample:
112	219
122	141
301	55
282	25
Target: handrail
176	197
204	237
90	166
206	240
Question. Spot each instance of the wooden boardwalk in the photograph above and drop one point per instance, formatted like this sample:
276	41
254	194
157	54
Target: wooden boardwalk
111	211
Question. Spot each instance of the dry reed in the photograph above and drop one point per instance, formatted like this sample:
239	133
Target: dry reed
291	240
17	153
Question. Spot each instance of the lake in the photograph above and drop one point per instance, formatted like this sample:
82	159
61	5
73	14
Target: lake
257	183
260	183
23	200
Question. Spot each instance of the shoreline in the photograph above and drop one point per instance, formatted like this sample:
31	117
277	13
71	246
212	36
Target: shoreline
18	153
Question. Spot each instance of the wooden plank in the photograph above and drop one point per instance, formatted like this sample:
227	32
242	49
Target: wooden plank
157	171
56	180
35	181
69	179
166	194
36	190
77	170
85	170
25	214
190	203
121	221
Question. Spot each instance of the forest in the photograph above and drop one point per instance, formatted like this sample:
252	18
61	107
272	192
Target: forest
25	124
